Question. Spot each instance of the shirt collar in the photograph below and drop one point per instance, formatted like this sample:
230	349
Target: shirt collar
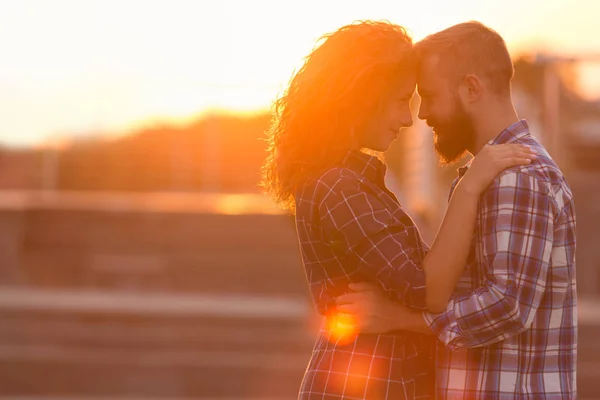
364	164
511	134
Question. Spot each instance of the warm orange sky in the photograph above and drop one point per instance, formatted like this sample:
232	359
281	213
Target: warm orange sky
84	66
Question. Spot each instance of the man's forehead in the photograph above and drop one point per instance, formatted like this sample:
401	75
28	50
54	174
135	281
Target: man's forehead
428	65
429	72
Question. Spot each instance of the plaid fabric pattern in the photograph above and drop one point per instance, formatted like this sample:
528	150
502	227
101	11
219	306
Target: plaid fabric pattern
351	228
510	331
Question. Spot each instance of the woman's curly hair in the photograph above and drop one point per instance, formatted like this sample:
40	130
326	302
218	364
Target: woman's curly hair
339	88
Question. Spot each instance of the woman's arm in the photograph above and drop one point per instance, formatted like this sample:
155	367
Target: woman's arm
447	257
445	261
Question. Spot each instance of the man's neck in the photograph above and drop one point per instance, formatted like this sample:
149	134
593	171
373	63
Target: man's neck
500	118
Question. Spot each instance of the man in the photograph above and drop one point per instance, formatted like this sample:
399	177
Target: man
510	329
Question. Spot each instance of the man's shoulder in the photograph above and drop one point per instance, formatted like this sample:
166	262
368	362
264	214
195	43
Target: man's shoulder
541	179
543	169
542	174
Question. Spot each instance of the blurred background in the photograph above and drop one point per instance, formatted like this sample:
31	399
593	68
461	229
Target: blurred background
139	258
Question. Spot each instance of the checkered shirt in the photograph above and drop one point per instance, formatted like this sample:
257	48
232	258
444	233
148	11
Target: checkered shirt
351	228
510	331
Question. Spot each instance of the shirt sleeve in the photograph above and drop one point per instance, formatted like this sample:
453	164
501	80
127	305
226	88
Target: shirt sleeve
358	225
515	228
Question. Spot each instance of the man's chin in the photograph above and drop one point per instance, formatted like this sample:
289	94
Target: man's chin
448	156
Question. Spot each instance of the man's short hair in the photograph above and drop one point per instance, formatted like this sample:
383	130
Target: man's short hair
470	48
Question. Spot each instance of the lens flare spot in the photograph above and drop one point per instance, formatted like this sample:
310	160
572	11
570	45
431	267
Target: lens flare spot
342	328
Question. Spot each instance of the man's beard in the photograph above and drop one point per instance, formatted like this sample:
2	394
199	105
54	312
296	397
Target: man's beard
453	137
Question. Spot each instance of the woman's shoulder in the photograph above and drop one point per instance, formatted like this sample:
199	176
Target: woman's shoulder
336	180
329	183
338	176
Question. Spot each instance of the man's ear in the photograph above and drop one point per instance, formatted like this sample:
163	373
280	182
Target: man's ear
470	89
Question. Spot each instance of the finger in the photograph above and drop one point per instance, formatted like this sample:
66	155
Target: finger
507	149
348	298
521	149
517	146
522	154
514	152
513	161
531	150
512	155
362	287
505	146
351	309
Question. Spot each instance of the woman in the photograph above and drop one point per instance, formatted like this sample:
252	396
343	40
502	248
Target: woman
350	98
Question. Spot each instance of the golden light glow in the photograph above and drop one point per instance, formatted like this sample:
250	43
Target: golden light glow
237	204
342	328
71	67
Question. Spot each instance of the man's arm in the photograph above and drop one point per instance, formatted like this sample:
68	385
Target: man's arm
375	313
516	236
